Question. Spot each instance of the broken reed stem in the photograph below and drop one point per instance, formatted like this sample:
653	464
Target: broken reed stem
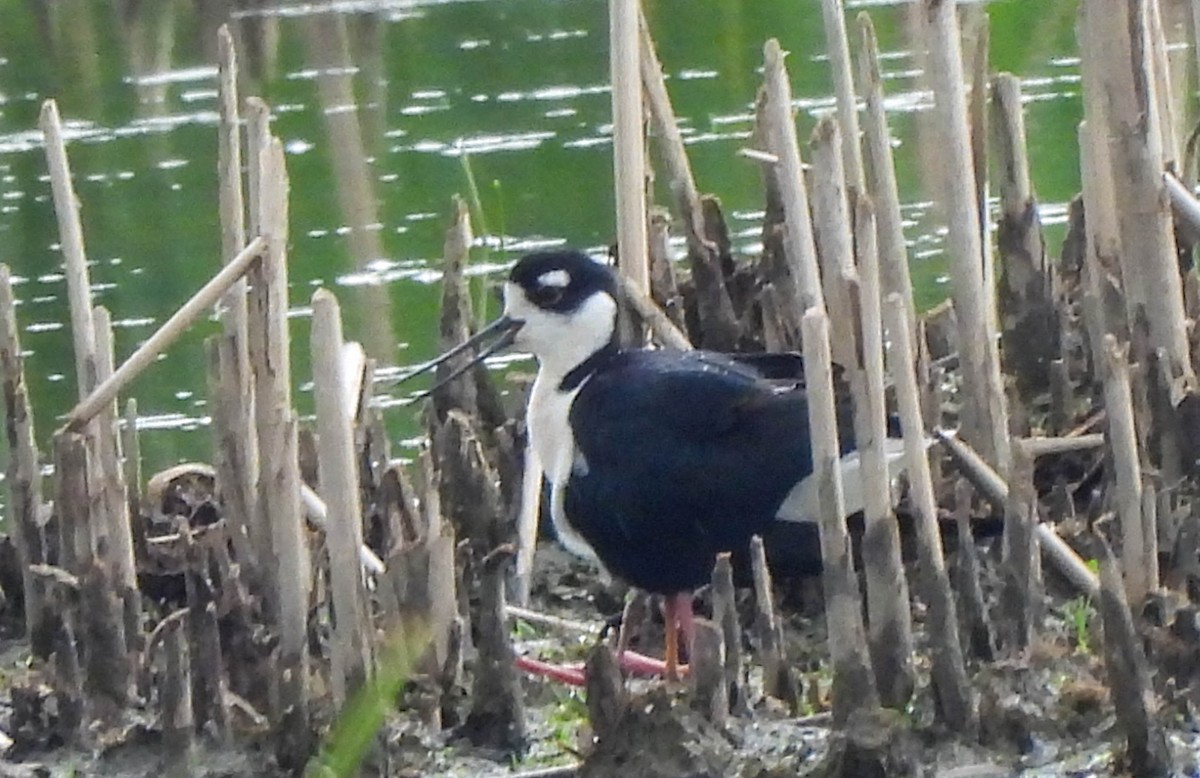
664	288
279	481
527	524
70	235
853	682
1122	434
233	436
713	304
995	490
131	447
107	664
779	131
674	154
725	614
985	416
1104	302
838	47
606	698
707	672
164	336
629	148
955	703
1026	289
229	153
116	506
497	715
1133	131
455	323
1020	549
339	489
236	441
975	614
1163	93
258	140
24	473
888	616
977	118
881	175
1129	677
835	244
778	681
175	699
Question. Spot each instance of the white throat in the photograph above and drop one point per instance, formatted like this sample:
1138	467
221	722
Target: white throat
560	341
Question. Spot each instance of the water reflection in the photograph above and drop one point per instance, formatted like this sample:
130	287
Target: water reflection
385	107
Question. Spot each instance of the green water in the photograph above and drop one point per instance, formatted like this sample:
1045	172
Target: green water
519	84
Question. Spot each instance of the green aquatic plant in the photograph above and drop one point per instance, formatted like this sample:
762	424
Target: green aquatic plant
1079	613
352	734
479	218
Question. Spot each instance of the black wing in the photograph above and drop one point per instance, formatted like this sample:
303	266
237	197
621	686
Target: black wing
683	455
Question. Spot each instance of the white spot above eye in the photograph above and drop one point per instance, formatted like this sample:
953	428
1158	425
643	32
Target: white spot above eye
559	279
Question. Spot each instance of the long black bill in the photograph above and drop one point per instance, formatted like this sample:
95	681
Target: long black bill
505	331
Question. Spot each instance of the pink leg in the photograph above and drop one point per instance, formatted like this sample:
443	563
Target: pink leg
686	619
677	613
630	661
568	674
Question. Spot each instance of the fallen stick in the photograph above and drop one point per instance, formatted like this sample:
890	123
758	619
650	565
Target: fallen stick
562	771
545	619
660	324
995	489
188	313
1039	446
1183	200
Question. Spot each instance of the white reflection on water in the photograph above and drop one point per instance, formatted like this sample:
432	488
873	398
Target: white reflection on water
178	76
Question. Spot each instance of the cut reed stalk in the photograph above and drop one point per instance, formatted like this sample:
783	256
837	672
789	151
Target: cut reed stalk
279	481
629	148
1134	136
115	514
955	702
888	616
70	235
779	131
881	175
1122	435
985	415
834	241
838	47
1027	282
24	474
714	307
339	489
853	682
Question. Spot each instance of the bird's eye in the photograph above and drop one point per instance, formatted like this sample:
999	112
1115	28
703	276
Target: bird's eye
549	295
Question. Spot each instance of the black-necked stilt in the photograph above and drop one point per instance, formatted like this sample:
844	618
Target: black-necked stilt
656	460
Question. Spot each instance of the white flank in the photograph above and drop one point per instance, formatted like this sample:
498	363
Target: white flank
803	503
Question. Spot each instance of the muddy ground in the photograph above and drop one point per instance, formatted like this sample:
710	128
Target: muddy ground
1047	713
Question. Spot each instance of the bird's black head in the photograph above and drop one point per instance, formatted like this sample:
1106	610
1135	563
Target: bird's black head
561	281
564	305
559	305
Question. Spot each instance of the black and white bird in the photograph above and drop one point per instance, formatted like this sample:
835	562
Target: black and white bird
656	461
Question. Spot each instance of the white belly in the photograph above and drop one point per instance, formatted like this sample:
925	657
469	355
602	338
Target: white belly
548	419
